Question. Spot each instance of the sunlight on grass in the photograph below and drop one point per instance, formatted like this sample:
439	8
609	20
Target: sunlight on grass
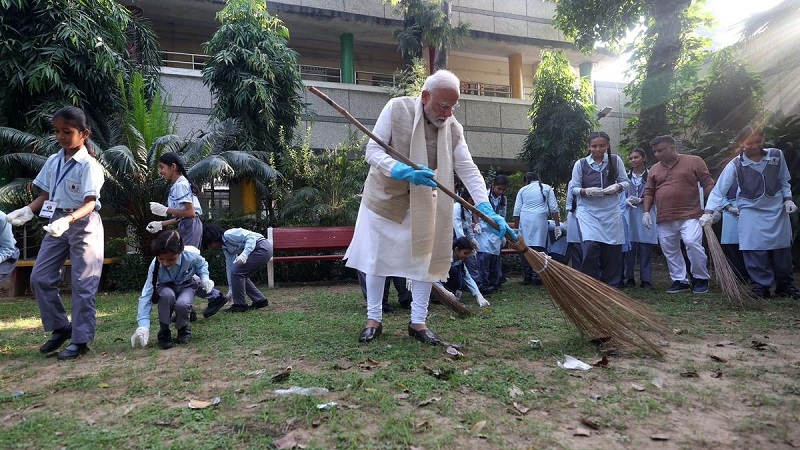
23	323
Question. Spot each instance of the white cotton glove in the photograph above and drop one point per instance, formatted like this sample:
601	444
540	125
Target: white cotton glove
482	302
633	202
20	216
57	227
154	226
557	232
790	206
647	220
207	285
613	189
706	219
158	209
241	259
476	228
142	335
594	192
732	210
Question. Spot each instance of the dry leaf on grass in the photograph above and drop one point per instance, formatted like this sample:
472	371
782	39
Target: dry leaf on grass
590	423
657	382
256	373
283	375
439	373
255	352
678	331
637	387
402	396
602	363
758	345
428	401
659	437
718	358
200	404
285	443
475	429
582	431
520	408
515	392
717	374
453	352
690	374
422	426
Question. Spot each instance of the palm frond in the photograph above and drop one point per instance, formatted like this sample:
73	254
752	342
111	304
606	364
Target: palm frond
29	161
13	140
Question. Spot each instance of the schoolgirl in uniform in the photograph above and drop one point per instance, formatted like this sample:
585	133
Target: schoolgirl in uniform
490	244
172	280
245	253
459	278
9	253
642	239
534	204
182	202
71	181
574	239
729	238
764	201
597	180
464	226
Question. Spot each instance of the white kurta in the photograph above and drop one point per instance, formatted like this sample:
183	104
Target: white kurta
535	202
383	247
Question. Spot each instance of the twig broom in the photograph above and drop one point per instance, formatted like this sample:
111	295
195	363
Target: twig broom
732	288
598	310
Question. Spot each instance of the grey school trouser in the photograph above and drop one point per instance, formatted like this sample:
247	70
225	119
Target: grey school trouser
770	266
83	244
177	297
191	231
241	285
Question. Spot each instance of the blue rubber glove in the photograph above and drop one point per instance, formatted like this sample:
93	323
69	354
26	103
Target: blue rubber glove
487	209
404	172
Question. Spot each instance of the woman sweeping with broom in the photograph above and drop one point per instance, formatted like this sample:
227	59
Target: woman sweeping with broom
764	200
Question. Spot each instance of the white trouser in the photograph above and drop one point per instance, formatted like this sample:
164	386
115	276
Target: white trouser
420	293
670	234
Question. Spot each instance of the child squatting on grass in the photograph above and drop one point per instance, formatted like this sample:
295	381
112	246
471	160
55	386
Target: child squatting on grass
459	276
171	284
245	253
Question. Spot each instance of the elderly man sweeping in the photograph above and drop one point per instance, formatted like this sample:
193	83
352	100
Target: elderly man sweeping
404	228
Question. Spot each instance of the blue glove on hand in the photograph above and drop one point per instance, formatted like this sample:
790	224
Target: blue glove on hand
487	209
404	172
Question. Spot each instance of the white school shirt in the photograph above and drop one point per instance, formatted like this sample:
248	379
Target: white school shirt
70	183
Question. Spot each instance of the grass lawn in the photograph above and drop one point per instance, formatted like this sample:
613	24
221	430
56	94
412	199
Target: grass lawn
730	379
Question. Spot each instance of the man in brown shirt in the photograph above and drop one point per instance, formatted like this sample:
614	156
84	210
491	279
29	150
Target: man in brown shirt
672	184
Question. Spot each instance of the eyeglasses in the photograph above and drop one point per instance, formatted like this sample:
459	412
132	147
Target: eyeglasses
447	107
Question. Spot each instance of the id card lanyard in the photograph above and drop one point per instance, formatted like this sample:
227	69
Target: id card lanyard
49	206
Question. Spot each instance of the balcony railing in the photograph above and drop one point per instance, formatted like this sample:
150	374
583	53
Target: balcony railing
334	75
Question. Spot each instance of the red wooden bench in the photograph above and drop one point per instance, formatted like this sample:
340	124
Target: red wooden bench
306	239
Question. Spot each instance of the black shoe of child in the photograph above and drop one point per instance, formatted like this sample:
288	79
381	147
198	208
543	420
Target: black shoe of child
790	291
260	304
237	309
72	351
630	283
165	337
387	309
214	305
184	335
57	339
192	314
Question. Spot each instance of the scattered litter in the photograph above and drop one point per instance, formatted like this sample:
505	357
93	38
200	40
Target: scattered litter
724	343
327	406
659	437
521	408
515	392
590	423
285	443
17	394
602	363
595	397
297	390
200	404
402	396
535	343
581	431
690	374
258	372
428	401
477	427
637	387
440	373
718	358
717	374
678	331
283	375
657	382
758	345
572	363
454	353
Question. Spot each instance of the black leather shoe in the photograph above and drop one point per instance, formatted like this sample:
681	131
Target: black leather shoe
260	304
237	308
57	339
370	333
165	338
425	336
184	335
72	351
214	305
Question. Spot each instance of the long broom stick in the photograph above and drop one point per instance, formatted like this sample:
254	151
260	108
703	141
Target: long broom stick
598	310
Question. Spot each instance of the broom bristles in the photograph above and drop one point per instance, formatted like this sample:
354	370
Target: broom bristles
595	308
449	300
732	288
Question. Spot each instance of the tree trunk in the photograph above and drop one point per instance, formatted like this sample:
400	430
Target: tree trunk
441	55
666	16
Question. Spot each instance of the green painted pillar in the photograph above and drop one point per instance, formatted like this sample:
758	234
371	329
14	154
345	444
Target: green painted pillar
348	66
586	69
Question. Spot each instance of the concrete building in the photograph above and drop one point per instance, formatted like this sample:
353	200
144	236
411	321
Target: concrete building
496	64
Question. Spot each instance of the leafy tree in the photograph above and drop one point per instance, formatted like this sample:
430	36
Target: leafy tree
254	76
731	94
410	81
323	188
427	23
56	52
665	40
562	116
